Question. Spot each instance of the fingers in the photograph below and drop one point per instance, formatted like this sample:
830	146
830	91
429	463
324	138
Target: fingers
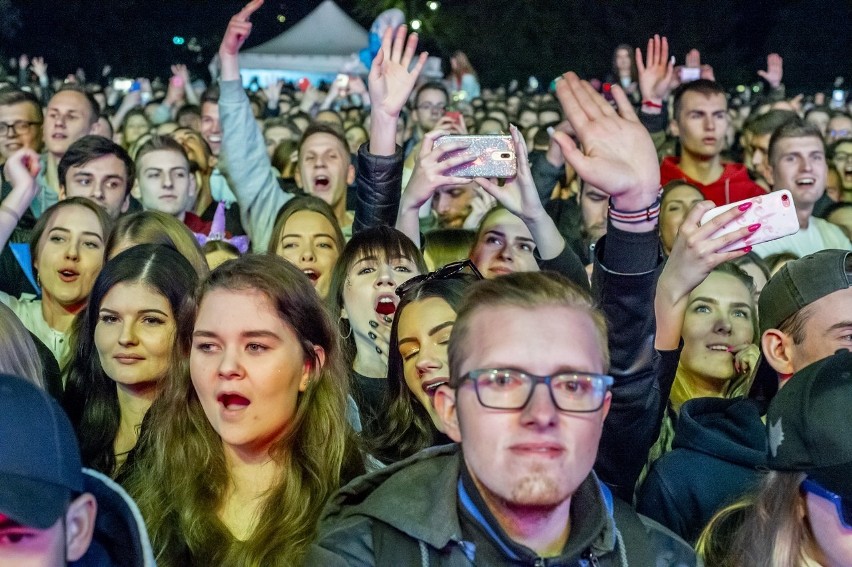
640	65
625	107
566	92
490	187
421	61
410	49
429	141
664	51
398	43
249	9
601	104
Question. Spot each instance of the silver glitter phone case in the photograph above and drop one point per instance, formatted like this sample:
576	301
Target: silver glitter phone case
495	156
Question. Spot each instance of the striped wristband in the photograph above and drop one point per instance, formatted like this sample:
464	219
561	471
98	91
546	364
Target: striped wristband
636	217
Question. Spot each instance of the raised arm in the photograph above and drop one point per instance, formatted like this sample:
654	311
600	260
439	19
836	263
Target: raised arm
20	171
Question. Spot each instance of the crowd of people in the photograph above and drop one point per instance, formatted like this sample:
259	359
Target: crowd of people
279	326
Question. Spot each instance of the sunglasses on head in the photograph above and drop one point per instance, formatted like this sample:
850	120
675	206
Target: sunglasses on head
448	271
843	505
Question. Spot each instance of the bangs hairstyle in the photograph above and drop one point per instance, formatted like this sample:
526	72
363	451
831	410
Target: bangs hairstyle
161	143
93	147
299	204
381	242
91	399
41	224
407	426
155	227
180	476
527	290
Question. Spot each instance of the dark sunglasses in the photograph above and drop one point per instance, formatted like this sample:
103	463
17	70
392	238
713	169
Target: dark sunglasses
448	271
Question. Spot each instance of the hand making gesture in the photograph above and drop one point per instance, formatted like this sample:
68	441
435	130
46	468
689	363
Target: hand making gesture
239	28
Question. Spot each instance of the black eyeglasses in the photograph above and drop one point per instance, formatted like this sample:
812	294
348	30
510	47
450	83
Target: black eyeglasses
843	505
16	127
448	271
429	107
510	389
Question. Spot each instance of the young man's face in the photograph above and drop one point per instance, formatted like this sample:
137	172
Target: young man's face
798	164
165	183
757	154
594	206
68	118
536	456
102	180
23	129
325	170
431	105
211	129
452	204
702	124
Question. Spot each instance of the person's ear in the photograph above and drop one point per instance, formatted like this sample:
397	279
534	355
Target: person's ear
135	190
770	173
297	176
777	348
125	204
62	194
350	174
447	410
80	526
675	130
312	367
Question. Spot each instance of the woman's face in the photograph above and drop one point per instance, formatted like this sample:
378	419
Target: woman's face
719	317
274	136
505	245
134	334
423	334
622	61
70	255
247	367
677	203
369	293
135	127
308	242
354	138
832	538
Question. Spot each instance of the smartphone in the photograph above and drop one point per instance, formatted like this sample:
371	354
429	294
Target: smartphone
775	212
121	85
492	156
838	98
454	115
689	74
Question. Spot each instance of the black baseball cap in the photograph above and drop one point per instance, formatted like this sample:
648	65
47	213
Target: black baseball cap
40	468
801	282
809	423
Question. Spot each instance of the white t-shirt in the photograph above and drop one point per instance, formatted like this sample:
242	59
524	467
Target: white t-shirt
820	235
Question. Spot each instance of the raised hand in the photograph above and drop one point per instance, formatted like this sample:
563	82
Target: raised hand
390	81
657	71
774	70
432	170
519	195
238	30
479	207
39	67
273	91
617	154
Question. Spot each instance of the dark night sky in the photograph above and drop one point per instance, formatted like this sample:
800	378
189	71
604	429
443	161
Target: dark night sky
134	36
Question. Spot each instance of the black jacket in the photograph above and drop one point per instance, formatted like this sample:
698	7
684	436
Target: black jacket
718	450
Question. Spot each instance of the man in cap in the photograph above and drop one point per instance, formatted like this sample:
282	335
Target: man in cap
52	511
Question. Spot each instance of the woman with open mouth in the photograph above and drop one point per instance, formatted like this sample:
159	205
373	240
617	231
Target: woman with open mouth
67	249
122	347
418	362
307	235
362	299
249	439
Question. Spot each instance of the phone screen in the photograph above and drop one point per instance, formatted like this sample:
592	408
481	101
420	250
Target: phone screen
688	74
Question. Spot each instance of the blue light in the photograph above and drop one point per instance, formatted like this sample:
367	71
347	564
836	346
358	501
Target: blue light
178	40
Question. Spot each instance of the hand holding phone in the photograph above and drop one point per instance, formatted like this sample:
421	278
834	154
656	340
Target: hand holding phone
774	213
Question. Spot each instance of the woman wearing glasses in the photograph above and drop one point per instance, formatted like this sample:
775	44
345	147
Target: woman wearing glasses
801	515
418	362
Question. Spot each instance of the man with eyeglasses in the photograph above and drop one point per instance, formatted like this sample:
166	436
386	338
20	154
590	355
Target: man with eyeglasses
527	401
430	106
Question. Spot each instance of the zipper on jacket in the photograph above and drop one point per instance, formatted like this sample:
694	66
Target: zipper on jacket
591	558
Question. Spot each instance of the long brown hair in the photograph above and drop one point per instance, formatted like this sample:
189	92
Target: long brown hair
180	476
765	529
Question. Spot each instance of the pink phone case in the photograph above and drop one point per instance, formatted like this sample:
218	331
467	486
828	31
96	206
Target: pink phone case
775	212
495	156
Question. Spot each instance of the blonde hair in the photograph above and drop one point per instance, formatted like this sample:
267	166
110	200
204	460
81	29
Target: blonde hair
764	529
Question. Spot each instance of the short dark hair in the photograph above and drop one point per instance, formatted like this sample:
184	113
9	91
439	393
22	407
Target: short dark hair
187	109
209	95
431	86
797	128
92	147
94	107
705	87
158	143
323	128
768	122
10	96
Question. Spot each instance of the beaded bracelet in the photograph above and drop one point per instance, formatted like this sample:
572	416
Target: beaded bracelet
651	104
10	211
636	217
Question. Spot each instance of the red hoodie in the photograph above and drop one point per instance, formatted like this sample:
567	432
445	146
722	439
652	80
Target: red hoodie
734	184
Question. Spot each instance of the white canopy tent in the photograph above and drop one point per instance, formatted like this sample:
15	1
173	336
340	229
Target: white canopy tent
321	45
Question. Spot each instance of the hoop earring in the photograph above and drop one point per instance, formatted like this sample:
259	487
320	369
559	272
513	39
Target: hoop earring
340	333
